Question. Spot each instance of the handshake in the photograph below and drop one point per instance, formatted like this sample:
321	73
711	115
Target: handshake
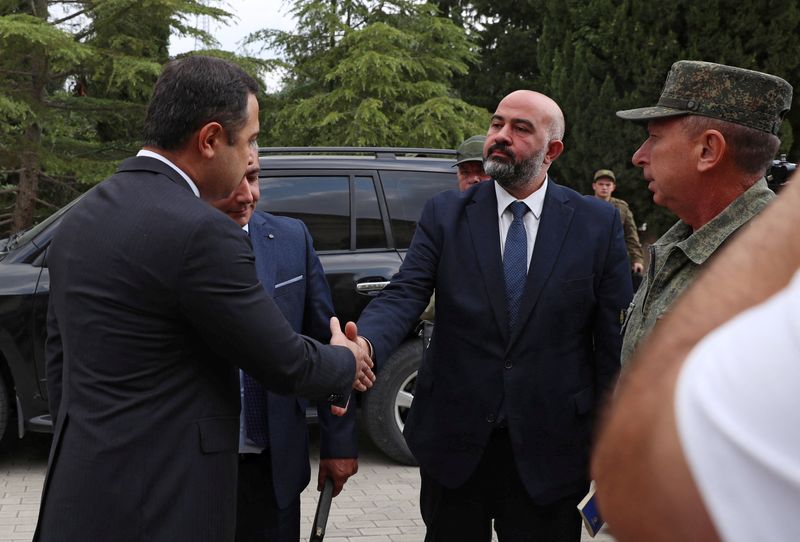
364	377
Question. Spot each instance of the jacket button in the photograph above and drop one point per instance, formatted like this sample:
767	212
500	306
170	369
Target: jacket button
490	418
509	364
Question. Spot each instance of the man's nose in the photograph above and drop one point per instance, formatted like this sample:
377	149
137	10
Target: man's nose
503	135
473	178
639	158
244	194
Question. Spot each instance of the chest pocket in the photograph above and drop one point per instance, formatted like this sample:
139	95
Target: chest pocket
288	286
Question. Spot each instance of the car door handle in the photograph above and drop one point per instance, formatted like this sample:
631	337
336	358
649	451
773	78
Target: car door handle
371	286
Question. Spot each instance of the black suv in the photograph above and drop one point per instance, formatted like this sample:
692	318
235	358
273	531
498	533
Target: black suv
361	206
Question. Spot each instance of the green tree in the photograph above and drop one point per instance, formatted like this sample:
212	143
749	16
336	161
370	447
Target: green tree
75	79
371	74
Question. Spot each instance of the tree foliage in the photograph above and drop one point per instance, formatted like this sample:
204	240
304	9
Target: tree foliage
75	77
75	80
371	74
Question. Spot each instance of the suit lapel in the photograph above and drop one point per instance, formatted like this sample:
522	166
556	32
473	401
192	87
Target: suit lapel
485	233
264	248
553	225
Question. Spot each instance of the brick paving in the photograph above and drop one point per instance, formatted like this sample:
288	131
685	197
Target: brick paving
379	504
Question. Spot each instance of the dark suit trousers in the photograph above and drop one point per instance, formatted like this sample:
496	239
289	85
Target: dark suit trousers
495	492
258	518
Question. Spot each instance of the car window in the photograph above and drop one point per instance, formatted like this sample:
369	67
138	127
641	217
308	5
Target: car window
322	202
369	226
406	193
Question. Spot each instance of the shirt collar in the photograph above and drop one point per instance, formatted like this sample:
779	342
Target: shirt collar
535	201
151	154
701	244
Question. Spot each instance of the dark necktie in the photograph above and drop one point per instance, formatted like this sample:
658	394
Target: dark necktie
515	261
255	411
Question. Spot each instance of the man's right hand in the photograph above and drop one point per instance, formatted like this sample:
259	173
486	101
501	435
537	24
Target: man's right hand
351	332
364	375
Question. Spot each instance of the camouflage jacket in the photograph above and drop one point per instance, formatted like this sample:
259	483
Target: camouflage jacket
676	259
629	227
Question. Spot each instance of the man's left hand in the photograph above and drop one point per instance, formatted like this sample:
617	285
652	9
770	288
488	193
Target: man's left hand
338	470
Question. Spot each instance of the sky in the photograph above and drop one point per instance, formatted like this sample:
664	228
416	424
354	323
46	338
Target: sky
249	16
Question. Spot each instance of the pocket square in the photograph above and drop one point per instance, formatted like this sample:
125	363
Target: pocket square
290	281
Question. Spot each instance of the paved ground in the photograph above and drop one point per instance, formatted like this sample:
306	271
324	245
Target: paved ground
379	504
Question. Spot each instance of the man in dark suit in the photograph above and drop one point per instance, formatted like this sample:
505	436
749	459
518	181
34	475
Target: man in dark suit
273	466
531	279
154	300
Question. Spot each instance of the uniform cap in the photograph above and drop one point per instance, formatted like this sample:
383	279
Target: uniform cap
746	97
604	173
470	150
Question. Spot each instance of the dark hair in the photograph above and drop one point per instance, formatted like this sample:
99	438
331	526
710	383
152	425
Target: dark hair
192	92
752	150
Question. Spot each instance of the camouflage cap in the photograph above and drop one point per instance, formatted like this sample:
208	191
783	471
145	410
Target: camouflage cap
470	150
750	98
604	173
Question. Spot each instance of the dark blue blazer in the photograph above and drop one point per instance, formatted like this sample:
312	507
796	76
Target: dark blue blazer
552	371
291	273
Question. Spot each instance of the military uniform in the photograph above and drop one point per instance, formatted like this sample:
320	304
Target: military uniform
756	100
629	227
677	258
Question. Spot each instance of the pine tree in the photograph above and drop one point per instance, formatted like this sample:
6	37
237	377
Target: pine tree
75	80
371	74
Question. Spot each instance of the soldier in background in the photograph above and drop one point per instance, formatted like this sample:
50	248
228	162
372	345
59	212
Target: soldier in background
469	161
711	138
604	185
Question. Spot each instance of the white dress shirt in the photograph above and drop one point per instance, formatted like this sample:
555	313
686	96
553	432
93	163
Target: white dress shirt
535	202
151	154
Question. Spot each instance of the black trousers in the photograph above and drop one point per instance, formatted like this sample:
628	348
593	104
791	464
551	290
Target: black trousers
495	492
258	518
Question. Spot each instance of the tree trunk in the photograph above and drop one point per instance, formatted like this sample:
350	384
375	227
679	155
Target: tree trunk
22	217
28	189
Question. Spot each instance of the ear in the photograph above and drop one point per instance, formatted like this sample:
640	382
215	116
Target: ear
712	147
554	150
209	137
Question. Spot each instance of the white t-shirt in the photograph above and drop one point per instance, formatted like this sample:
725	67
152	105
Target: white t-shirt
737	406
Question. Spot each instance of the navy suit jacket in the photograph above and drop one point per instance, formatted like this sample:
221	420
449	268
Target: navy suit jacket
552	371
291	273
154	301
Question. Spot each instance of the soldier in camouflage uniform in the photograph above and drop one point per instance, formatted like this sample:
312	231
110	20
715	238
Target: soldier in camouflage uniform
603	185
712	136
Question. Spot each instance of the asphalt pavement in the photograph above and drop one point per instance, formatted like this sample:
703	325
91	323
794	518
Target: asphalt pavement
378	504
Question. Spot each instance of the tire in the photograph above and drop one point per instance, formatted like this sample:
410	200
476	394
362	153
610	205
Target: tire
5	407
385	406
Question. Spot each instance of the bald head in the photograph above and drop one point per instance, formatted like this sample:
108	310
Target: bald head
524	138
548	110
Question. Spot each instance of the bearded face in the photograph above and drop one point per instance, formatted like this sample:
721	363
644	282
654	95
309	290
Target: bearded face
510	171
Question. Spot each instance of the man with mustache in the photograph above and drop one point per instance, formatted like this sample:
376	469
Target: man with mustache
531	279
273	444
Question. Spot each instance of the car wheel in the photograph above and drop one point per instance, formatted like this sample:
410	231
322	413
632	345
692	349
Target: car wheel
385	406
5	407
